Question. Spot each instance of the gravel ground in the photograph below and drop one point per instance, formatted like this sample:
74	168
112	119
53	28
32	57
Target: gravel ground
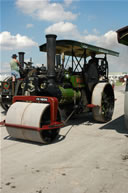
88	158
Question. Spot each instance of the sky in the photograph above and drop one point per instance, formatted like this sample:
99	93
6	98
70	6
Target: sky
24	24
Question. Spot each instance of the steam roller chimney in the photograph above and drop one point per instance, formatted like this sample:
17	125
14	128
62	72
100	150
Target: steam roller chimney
21	58
52	89
51	52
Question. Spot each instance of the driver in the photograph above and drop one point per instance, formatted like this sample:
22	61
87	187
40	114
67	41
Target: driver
15	66
92	69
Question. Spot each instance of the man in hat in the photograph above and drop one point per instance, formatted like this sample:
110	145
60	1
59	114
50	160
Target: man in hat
15	66
91	75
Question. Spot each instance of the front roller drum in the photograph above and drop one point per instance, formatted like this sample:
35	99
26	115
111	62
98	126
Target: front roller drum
103	99
30	116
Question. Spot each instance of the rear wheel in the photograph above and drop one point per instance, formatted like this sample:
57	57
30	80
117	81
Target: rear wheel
103	98
4	104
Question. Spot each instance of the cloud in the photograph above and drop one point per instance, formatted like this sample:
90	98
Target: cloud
10	42
119	64
45	10
107	40
69	30
29	25
61	28
68	2
4	68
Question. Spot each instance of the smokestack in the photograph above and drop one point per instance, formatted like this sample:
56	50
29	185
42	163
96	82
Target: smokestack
51	52
21	58
52	89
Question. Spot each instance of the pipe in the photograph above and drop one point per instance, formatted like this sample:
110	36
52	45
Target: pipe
58	60
51	52
21	58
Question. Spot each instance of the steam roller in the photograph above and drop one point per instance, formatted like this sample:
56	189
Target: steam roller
33	121
65	88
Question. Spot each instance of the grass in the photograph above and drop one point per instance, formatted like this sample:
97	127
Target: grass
118	83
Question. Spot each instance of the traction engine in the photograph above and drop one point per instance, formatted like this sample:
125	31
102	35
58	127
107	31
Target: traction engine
55	94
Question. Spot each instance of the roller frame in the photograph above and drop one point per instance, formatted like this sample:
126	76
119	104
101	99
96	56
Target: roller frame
53	101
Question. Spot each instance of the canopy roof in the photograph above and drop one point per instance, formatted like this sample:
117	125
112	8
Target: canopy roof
68	47
122	35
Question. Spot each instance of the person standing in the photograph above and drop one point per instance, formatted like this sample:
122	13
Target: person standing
15	67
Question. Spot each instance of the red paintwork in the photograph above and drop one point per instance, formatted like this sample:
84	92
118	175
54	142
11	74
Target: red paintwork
52	100
4	85
91	105
40	99
53	125
2	123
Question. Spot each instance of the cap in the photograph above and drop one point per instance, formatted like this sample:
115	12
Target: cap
14	56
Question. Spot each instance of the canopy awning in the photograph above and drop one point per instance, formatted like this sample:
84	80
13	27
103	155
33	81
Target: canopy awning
70	47
122	35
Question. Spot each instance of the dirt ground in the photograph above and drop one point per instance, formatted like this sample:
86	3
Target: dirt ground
87	158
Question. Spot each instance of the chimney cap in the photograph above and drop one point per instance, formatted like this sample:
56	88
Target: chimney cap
51	36
21	52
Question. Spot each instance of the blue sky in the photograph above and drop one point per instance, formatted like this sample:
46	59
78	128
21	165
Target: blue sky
24	24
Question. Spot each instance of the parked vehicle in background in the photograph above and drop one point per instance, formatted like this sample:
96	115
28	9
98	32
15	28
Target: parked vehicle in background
126	105
122	36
